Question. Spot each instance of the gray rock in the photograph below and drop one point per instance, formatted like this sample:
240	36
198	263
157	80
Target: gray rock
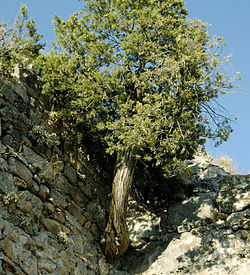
94	212
45	263
16	234
44	192
20	183
51	225
8	93
193	209
41	241
2	148
17	254
70	174
29	204
3	165
33	158
6	183
42	237
58	199
239	220
69	259
6	113
234	195
20	90
23	172
205	243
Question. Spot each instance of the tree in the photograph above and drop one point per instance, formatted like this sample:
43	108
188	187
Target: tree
144	81
19	44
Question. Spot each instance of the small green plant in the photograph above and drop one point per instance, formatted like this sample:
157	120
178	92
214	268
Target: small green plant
63	237
10	197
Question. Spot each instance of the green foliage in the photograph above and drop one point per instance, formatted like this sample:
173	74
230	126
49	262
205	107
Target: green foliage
19	44
139	76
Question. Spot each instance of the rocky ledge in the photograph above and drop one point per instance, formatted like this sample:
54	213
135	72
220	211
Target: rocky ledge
206	232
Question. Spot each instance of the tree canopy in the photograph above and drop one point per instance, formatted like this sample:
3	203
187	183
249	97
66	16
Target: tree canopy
141	76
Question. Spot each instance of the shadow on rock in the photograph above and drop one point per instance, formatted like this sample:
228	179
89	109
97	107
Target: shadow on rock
205	233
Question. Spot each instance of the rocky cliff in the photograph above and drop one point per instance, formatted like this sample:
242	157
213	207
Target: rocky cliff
204	229
54	200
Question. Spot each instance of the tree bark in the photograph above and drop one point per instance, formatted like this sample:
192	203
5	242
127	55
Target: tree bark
116	232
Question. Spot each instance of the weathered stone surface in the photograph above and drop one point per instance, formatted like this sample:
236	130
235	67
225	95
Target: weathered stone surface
41	240
69	259
59	216
6	113
49	207
33	158
17	254
29	204
45	264
196	208
8	93
23	172
234	195
209	230
239	220
51	225
70	174
3	164
43	192
6	183
142	225
94	212
58	199
37	235
49	171
75	194
20	90
16	234
62	183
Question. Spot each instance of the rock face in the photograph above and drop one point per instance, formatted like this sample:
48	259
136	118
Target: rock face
53	206
204	233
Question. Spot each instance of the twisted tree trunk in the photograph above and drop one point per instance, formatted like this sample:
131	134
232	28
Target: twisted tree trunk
116	232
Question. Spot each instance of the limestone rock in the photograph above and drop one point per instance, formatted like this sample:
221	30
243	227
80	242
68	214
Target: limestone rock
58	199
37	184
33	158
206	233
6	183
70	174
29	205
23	172
234	195
193	209
44	192
51	225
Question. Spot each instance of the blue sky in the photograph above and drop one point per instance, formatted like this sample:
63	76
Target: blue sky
229	19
